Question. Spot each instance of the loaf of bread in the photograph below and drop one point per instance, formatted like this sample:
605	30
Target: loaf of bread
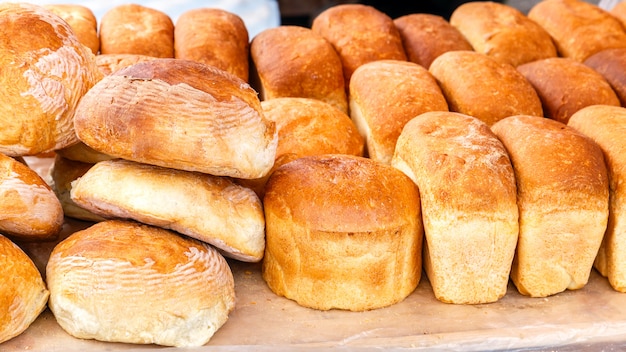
611	64
579	28
343	232
469	210
294	61
215	37
502	32
109	63
476	84
208	208
23	293
426	36
359	33
606	125
42	79
565	85
384	96
563	195
137	29
127	282
181	114
83	22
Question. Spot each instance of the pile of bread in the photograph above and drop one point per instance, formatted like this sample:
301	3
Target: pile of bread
345	158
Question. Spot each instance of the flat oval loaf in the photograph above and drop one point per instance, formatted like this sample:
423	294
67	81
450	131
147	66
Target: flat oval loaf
179	114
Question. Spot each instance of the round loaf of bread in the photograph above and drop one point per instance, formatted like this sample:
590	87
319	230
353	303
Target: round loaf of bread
565	86
467	190
402	90
126	282
611	64
606	125
137	29
294	61
502	32
476	84
563	197
180	114
45	72
83	22
426	36
215	37
342	232
209	208
23	293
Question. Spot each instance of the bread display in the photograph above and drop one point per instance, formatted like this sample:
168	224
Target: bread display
40	87
359	33
137	29
606	125
23	293
83	22
476	84
611	64
294	61
180	114
565	86
502	32
208	208
426	36
563	197
343	232
112	282
404	90
468	201
578	28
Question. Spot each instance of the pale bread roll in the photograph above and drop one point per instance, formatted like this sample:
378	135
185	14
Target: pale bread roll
29	209
467	192
606	125
180	114
611	64
578	28
109	63
402	90
127	282
137	29
359	33
293	61
23	293
563	195
209	208
476	84
565	86
43	77
343	232
215	37
426	36
502	32
83	22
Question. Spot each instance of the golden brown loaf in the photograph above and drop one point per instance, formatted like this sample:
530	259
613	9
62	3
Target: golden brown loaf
502	32
565	86
181	114
42	79
214	37
109	63
83	22
606	125
137	29
426	36
476	84
384	96
578	28
563	195
293	61
23	293
359	33
469	210
127	282
29	209
342	232
208	208
611	64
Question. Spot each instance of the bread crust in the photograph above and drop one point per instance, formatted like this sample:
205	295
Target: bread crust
611	64
83	22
